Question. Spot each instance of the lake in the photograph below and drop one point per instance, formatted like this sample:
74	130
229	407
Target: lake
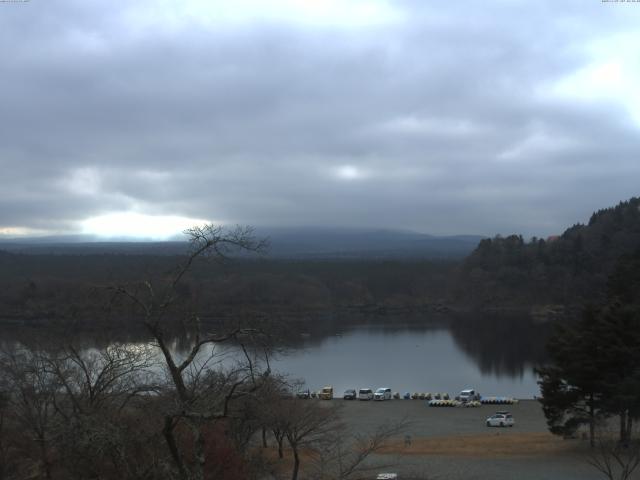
494	355
410	359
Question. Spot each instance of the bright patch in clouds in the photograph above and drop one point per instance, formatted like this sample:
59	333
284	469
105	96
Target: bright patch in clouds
136	225
349	172
11	232
613	75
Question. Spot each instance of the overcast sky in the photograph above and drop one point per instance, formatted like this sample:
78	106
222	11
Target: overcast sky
476	117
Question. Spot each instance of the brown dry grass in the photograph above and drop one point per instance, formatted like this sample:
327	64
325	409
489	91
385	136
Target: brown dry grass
271	453
484	445
284	466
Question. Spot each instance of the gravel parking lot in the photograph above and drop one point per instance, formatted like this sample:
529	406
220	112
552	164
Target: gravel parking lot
442	426
428	421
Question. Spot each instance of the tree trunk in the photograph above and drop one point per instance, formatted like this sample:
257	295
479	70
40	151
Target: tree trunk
592	423
626	424
280	448
45	458
279	436
296	463
167	431
199	451
623	427
264	437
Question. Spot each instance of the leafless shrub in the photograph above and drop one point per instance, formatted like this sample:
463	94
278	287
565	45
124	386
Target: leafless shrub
346	455
306	425
614	459
31	398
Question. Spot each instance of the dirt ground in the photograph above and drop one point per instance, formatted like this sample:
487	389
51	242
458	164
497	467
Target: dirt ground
455	443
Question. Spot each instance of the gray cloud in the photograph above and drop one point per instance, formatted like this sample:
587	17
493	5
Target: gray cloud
444	120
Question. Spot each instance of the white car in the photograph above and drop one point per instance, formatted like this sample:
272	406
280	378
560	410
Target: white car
365	394
382	394
468	395
501	419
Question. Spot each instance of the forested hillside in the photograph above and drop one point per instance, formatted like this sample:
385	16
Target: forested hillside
56	286
568	269
503	272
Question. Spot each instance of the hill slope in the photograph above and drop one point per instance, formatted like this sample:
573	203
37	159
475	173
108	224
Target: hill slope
572	268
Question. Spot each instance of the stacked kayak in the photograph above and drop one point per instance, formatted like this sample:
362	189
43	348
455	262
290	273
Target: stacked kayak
444	403
498	400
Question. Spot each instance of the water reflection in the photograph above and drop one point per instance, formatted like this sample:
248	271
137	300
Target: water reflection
424	358
492	353
501	344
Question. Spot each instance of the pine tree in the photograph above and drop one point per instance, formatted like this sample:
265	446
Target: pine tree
571	386
594	368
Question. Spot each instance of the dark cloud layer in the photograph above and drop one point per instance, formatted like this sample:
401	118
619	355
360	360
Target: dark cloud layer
443	117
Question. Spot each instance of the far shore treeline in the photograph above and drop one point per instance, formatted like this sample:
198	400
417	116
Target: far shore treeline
543	276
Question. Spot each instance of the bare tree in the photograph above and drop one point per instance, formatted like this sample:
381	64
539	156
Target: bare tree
31	399
277	422
200	394
344	455
5	449
97	389
68	406
306	424
274	411
100	378
613	458
93	412
315	428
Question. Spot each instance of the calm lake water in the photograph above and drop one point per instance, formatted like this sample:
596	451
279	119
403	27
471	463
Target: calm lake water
494	355
407	360
491	353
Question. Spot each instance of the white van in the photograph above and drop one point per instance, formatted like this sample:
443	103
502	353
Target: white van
468	395
365	394
383	393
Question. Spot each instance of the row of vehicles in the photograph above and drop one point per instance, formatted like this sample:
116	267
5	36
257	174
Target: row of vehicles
499	419
383	393
326	393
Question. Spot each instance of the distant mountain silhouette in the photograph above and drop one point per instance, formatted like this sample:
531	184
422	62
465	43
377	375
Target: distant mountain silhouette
356	243
303	242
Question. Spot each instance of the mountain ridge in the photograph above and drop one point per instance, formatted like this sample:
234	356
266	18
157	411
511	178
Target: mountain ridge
309	242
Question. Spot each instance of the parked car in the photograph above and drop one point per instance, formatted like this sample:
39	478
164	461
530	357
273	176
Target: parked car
468	395
365	394
349	394
501	419
326	393
304	394
382	394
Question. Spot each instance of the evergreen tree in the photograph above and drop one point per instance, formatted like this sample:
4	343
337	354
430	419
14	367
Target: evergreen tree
594	366
571	386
